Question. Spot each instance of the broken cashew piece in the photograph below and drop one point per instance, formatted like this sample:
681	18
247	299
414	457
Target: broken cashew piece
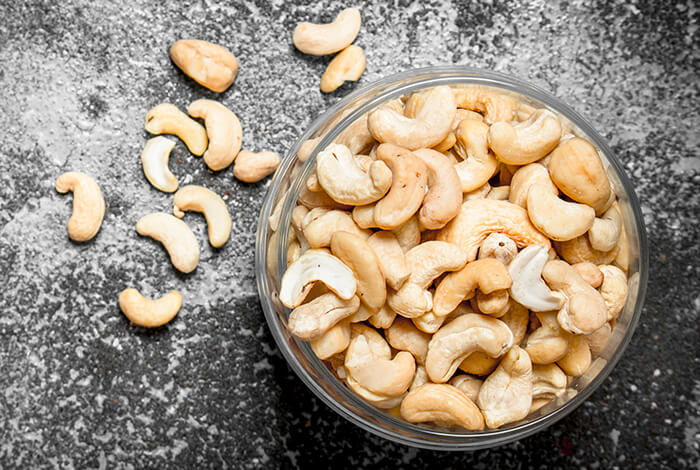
203	200
529	289
251	167
605	231
525	142
223	130
177	238
444	197
167	119
146	312
155	158
88	205
210	65
324	39
556	218
478	164
346	66
441	404
313	319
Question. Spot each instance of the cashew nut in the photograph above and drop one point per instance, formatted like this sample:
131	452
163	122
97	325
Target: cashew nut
402	335
176	237
324	39
577	359
223	130
613	289
556	218
516	318
527	141
155	158
318	231
478	193
495	304
528	287
599	339
206	201
547	344
356	136
524	178
605	231
498	246
579	250
500	193
493	105
442	404
333	341
392	261
429	322
384	318
622	256
479	363
314	199
444	197
590	273
346	66
479	164
548	381
146	312
251	167
88	205
208	64
167	119
313	319
408	234
468	384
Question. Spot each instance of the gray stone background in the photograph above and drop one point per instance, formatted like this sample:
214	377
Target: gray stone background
81	388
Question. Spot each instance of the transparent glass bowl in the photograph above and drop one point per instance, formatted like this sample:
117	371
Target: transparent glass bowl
271	252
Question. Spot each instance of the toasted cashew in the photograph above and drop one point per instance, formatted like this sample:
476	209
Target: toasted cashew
154	158
577	359
176	237
468	384
404	336
318	231
167	119
498	246
590	273
556	218
444	198
479	164
146	312
605	231
206	201
333	341
323	39
442	404
613	289
548	381
527	141
208	64
495	106
599	339
430	126
88	205
251	167
391	258
346	66
524	178
223	129
376	372
313	319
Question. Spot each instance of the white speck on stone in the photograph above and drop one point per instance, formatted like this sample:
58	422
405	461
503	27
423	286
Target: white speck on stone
657	372
615	436
633	387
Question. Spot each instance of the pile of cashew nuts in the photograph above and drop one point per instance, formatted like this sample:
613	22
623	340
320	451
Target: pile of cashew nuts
457	257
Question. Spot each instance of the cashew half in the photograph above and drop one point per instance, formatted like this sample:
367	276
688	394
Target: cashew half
176	237
527	141
223	130
251	167
155	158
613	289
402	335
479	164
605	231
319	231
207	202
556	218
391	258
333	341
146	312
208	64
524	178
346	66
167	119
442	404
324	39
88	205
313	319
444	197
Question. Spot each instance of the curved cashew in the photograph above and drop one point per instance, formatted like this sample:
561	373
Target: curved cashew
155	158
402	335
524	178
585	310
579	250
493	105
333	341
324	39
251	167
426	262
430	126
547	344
548	381
176	237
622	253
208	64
167	119
506	394
376	373
346	66
312	266
343	180
605	231
384	318
461	337
146	312
479	164
495	304
528	287
556	218
498	246
354	251
468	384
88	205
599	339
577	359
312	199
206	201
318	232
590	273
480	217
517	318
442	404
391	258
357	137
444	197
312	320
446	144
527	141
613	289
223	129
575	167
408	234
488	275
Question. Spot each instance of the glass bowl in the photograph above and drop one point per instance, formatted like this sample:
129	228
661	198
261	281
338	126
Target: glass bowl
271	252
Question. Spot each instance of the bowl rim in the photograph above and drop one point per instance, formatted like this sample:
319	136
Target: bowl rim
474	440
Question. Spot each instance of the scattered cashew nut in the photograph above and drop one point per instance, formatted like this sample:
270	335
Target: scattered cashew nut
324	39
146	312
346	66
177	238
223	130
88	205
167	119
251	167
208	64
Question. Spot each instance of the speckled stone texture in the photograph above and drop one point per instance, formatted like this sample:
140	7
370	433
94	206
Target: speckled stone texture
81	388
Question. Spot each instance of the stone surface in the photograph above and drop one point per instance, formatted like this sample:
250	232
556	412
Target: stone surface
81	388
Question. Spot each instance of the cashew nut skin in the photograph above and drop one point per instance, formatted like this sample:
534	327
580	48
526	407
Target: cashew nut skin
318	233
468	384
206	201
524	178
402	335
461	337
498	246
590	272
578	358
313	319
480	217
223	130
210	65
605	231
579	250
528	288
479	164
324	39
442	404
391	258
251	167
167	119
444	198
155	158
495	106
430	126
333	341
146	312
556	218
527	141
506	394
613	289
346	66
176	237
88	205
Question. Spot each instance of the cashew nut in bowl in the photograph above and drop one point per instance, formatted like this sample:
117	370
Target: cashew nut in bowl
167	119
528	288
391	258
613	289
548	381
346	66
402	335
251	167
494	105
442	404
479	363
527	141
408	234
495	304
577	359
324	39
176	237
206	201
357	136
547	344
599	339
223	130
318	232
468	384
430	126
590	272
579	250
313	319
516	318
556	218
88	205
500	193
146	312
155	158
384	318
444	197
506	394
208	64
428	322
524	178
333	341
498	246
478	164
605	231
